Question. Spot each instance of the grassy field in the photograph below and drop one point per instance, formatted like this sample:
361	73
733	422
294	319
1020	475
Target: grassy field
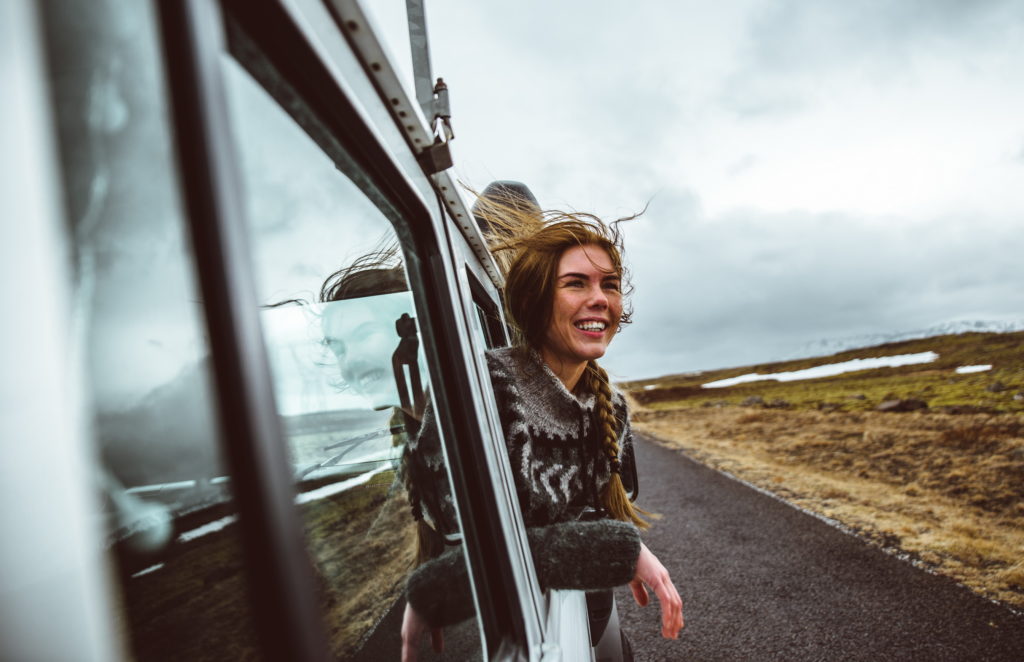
361	543
943	484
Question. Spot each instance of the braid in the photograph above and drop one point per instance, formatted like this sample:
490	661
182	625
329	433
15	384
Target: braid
429	543
615	500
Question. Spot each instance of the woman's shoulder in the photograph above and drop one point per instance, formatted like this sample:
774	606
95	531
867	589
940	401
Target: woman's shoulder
513	364
519	374
502	358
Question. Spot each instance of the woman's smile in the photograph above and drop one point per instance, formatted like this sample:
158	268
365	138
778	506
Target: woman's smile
586	308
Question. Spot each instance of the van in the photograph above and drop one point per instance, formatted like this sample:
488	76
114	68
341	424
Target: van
204	411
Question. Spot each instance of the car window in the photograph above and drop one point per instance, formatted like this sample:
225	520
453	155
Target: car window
340	327
169	516
487	323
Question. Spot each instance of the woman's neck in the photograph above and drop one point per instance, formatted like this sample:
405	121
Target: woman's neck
568	372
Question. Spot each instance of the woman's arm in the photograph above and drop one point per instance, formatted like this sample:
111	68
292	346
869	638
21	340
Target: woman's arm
650	572
571	555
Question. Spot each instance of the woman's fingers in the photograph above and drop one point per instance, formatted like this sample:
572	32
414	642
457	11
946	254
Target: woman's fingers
410	645
651	572
671	608
413	627
639	592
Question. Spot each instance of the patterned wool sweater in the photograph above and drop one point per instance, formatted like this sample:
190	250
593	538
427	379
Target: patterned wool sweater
559	471
553	440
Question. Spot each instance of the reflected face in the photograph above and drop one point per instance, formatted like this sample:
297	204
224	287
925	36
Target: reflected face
586	308
361	335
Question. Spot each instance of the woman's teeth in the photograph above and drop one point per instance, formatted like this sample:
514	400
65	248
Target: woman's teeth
370	377
591	326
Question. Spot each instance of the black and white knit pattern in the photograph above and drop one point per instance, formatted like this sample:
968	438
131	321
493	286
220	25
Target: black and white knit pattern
554	442
559	470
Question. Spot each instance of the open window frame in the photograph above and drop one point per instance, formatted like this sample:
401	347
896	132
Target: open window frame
343	108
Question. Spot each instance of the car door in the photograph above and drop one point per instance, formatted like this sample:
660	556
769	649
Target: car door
223	171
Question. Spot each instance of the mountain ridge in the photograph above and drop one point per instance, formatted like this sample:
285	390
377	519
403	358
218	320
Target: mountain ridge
829	346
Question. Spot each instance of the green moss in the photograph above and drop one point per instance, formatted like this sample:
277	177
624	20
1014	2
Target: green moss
936	383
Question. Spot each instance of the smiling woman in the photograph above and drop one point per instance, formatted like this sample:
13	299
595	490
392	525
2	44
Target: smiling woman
566	430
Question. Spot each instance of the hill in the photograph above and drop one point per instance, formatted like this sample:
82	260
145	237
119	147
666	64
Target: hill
999	389
941	485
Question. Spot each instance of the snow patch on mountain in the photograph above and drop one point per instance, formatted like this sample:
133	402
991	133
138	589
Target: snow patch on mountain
829	370
829	346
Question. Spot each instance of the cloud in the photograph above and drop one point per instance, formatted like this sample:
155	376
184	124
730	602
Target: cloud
742	165
890	125
793	55
746	287
800	36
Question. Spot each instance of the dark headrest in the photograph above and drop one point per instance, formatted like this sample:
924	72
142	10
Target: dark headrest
515	194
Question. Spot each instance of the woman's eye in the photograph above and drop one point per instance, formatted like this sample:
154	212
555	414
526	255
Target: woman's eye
574	283
612	285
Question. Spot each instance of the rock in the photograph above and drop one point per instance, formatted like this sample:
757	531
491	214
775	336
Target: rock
996	387
829	406
966	409
778	403
753	401
859	396
1018	396
904	404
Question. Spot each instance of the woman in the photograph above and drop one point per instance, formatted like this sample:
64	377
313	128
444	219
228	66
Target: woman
565	428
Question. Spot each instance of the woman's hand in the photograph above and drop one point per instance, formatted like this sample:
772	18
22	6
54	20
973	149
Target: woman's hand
651	572
413	627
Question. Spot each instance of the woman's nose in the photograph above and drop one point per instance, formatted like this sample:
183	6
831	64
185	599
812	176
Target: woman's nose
598	298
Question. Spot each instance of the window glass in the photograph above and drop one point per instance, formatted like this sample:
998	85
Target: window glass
486	323
169	516
480	327
350	379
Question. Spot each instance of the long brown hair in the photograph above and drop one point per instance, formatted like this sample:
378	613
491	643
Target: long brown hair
528	244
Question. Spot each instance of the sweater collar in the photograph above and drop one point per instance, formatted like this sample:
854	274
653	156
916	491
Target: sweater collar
537	382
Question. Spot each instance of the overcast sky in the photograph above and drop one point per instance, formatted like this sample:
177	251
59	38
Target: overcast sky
814	170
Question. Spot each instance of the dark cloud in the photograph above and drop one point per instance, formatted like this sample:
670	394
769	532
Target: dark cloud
750	287
792	35
792	47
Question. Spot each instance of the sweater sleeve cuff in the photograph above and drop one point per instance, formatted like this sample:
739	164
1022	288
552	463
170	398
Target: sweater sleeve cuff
572	555
439	590
585	555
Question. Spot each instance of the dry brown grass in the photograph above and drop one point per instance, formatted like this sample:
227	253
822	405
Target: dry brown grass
361	543
947	490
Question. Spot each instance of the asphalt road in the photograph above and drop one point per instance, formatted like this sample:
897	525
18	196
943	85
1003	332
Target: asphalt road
761	580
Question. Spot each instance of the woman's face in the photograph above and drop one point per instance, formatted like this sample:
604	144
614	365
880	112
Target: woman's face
361	335
586	308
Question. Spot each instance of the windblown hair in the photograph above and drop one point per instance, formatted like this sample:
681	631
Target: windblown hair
528	244
377	272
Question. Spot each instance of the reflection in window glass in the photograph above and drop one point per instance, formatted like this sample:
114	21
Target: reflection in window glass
169	516
350	379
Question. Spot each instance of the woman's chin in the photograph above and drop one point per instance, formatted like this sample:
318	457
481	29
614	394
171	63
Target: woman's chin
382	395
592	351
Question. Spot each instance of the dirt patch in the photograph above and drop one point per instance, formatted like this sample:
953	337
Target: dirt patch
948	490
